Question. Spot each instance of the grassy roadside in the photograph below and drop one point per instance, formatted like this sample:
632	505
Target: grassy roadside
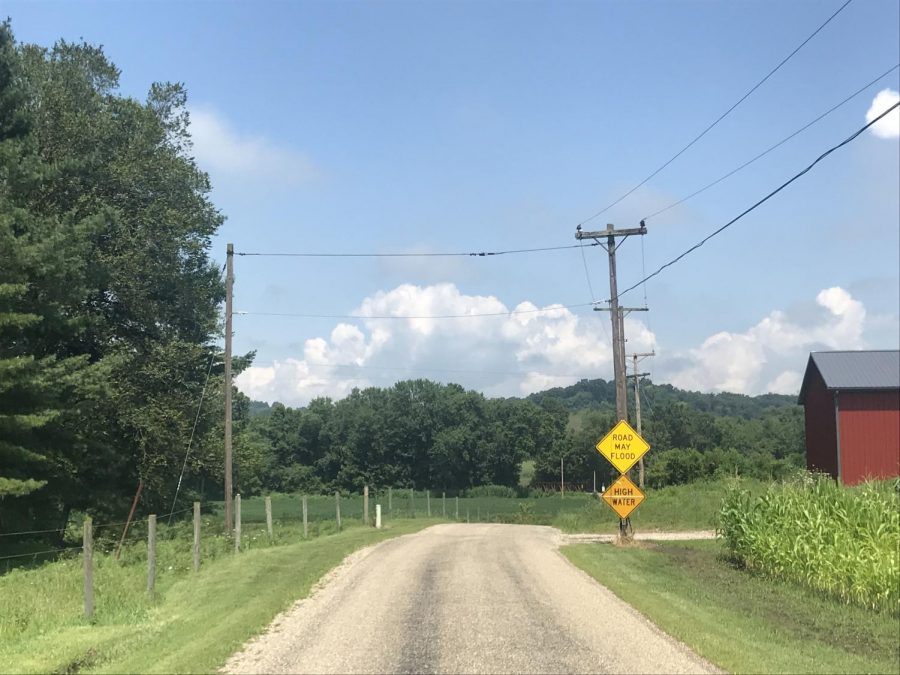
741	622
195	623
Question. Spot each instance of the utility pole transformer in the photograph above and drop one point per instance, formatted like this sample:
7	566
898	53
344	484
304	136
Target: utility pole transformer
616	312
229	293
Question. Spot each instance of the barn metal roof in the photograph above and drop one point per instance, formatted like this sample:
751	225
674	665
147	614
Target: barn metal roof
855	370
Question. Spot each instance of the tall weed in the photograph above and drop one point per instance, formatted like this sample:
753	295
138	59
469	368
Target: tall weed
842	541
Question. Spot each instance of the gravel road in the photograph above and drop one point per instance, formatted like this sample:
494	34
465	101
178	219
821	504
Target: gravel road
464	599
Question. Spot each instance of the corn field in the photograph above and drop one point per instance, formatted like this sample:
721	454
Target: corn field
844	541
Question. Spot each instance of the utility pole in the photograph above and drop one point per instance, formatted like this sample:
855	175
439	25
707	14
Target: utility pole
617	313
229	297
562	479
637	406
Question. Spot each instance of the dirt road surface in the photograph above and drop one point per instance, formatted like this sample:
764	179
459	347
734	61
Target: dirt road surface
464	599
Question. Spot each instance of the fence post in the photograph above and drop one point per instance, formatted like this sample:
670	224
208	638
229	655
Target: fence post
478	513
467	514
390	503
269	519
428	502
444	504
237	523
365	504
196	550
305	519
337	509
457	507
151	554
412	502
88	551
378	516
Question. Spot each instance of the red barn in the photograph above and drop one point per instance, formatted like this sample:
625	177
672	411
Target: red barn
852	404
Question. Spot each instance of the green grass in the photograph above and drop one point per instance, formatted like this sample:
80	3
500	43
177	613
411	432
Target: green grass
679	507
739	621
195	621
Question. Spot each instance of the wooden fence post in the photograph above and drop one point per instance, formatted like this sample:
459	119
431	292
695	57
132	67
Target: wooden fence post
457	507
412	502
428	502
88	552
151	554
237	523
378	516
337	509
196	549
269	519
444	504
467	514
390	503
305	519
365	505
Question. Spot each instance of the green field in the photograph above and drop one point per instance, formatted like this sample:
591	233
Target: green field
194	622
681	507
738	621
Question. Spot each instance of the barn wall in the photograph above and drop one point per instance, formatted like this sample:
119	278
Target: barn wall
821	435
870	435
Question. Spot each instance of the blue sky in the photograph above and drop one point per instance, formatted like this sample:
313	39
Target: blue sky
435	126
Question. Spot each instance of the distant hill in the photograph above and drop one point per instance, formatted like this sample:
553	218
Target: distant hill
601	395
260	409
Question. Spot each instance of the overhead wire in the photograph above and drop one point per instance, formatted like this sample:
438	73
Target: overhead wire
187	452
761	201
454	254
720	117
774	147
360	317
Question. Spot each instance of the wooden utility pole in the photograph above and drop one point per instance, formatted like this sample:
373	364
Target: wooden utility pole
637	406
562	479
617	313
229	297
617	317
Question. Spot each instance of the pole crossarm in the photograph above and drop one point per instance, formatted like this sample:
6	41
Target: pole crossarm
610	231
622	309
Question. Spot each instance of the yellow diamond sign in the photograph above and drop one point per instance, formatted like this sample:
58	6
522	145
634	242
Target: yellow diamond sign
622	446
623	496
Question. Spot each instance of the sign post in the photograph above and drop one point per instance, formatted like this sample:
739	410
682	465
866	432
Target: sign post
623	447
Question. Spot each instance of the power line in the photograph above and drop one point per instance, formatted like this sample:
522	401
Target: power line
454	371
777	145
436	316
187	452
761	201
720	117
456	254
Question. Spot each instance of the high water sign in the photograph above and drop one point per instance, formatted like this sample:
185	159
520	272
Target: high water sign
623	446
623	496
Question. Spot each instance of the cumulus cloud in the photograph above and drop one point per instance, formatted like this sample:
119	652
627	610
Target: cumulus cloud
747	362
220	148
888	126
515	351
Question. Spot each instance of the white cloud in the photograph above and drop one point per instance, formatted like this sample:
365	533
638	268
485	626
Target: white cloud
220	148
514	354
742	362
787	382
504	355
889	126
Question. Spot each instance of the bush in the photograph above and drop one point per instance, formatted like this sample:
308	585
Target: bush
842	541
491	491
